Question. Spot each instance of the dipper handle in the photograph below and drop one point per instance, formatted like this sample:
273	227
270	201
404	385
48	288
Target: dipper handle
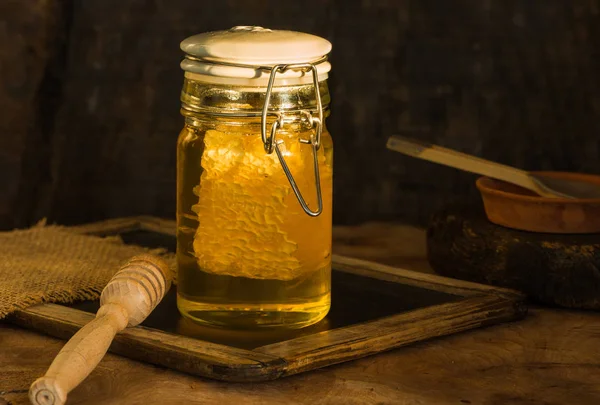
128	298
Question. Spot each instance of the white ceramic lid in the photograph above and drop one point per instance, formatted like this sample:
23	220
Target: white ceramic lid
214	52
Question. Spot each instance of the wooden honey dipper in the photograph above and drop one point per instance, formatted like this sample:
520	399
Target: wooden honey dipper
128	298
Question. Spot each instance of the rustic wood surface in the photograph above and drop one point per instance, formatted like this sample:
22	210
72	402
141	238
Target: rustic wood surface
32	42
554	269
421	315
550	358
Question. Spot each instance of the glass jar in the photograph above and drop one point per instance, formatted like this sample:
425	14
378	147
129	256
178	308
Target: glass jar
254	181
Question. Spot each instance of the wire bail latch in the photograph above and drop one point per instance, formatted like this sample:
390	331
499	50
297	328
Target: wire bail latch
272	144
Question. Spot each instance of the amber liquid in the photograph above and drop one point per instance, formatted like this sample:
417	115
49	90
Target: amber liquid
248	255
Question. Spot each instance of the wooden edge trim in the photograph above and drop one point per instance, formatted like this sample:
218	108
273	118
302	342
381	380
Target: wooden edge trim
178	352
116	225
340	345
418	279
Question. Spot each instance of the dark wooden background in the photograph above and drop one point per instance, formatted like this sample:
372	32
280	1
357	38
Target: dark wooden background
89	97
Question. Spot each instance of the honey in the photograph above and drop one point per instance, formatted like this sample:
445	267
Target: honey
248	254
254	197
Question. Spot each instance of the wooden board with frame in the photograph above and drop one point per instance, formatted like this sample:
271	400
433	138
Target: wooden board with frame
375	308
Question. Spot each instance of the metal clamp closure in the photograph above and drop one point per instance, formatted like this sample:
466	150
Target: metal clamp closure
271	143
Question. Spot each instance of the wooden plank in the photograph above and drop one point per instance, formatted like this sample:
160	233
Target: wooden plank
126	224
394	244
339	345
150	345
418	279
32	60
514	81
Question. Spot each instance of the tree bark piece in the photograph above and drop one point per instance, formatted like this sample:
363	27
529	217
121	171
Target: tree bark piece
553	269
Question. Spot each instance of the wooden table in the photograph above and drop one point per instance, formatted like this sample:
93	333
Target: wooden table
550	358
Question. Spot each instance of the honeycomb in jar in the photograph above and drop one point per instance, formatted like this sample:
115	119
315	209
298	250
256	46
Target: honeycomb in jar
244	204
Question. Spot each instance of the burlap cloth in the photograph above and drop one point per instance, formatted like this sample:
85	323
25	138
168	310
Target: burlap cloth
55	264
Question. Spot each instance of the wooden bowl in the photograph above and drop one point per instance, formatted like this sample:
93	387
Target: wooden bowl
515	207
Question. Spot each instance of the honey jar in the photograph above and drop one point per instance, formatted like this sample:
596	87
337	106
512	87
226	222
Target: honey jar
254	179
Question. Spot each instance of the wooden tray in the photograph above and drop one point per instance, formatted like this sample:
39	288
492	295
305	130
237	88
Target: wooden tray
375	308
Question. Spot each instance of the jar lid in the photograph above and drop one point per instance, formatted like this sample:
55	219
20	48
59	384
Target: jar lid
246	54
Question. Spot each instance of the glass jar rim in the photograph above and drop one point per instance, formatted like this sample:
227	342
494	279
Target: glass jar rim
227	99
